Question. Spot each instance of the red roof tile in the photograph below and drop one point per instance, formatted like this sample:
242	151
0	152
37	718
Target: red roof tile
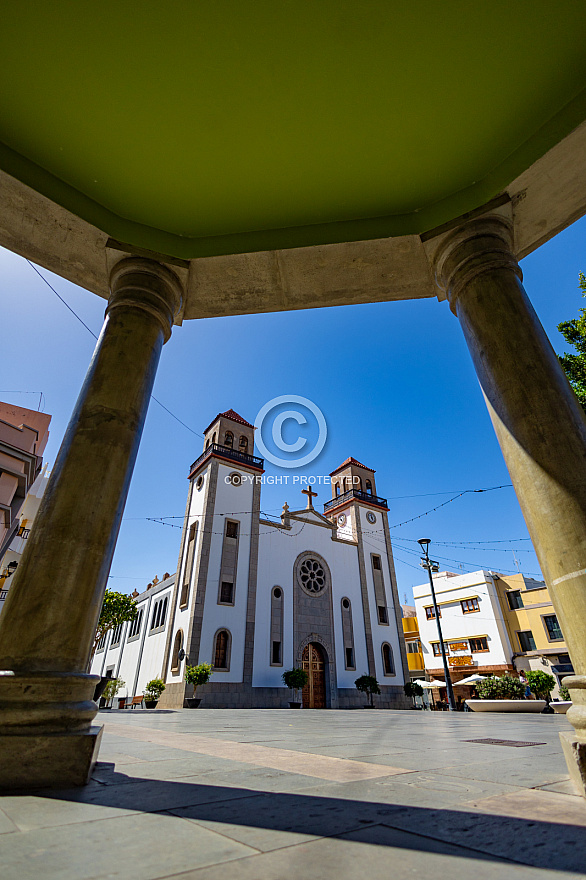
350	461
229	414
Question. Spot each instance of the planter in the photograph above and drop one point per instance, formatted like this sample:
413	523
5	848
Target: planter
506	705
294	705
193	702
151	704
561	707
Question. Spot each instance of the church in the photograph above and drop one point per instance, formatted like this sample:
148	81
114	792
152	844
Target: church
255	596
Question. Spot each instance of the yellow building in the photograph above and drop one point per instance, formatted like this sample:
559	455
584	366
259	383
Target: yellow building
412	643
532	625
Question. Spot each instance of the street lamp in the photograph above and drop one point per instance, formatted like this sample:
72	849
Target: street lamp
432	566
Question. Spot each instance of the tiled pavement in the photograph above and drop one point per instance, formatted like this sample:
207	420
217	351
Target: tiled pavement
278	794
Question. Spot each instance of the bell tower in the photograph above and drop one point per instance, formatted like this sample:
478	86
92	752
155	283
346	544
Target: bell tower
361	516
216	571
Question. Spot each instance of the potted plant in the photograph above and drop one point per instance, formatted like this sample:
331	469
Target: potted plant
197	675
368	684
412	689
296	679
504	694
152	692
110	690
541	684
562	705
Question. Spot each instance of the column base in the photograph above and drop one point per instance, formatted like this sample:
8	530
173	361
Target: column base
575	754
48	760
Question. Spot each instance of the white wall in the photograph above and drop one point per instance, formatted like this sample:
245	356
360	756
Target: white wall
455	624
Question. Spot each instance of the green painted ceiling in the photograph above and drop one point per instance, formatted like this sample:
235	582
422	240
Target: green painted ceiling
217	126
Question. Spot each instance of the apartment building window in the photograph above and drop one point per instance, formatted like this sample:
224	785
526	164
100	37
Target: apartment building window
554	632
526	640
514	599
102	643
437	651
478	644
413	647
469	605
430	612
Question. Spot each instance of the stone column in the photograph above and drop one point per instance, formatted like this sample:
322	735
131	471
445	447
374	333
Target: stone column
540	426
48	622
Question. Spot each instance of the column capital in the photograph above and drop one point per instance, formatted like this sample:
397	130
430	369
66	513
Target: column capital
137	282
478	246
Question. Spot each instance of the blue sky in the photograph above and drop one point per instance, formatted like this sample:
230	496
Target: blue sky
394	381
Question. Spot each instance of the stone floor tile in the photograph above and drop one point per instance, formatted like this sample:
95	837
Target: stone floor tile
30	812
137	847
6	823
378	853
535	804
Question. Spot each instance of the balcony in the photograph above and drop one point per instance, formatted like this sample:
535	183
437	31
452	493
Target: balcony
359	496
252	461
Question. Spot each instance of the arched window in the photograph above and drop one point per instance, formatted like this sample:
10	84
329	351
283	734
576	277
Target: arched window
243	444
207	443
348	633
277	627
222	650
177	645
388	664
369	487
213	438
188	564
229	439
337	489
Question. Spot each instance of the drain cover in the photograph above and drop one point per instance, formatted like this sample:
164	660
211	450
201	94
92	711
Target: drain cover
514	743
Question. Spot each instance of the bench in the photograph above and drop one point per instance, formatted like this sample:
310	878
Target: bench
136	701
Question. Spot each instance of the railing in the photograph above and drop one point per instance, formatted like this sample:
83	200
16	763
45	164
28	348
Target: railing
232	454
3	595
355	493
23	533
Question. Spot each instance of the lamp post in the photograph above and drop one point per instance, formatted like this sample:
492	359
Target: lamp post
432	566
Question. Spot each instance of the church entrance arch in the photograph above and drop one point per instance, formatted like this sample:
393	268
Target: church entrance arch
314	662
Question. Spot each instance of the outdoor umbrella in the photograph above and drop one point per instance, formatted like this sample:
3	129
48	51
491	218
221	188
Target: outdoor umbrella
435	683
472	679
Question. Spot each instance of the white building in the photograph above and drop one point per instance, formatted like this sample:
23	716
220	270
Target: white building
473	627
255	597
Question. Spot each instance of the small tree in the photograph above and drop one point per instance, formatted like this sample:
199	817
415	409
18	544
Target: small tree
154	689
112	688
117	608
541	683
412	689
296	679
368	685
197	675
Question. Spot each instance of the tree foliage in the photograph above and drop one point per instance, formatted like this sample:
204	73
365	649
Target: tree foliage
112	688
154	689
541	683
507	687
412	689
295	678
197	675
117	608
368	685
574	365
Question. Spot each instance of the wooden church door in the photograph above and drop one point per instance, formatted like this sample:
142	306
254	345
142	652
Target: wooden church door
314	692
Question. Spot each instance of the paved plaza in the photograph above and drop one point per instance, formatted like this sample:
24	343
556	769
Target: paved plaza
275	794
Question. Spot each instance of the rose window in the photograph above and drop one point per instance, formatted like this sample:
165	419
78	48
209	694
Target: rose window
312	575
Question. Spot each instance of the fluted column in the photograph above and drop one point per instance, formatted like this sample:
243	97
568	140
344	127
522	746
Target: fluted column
540	426
50	615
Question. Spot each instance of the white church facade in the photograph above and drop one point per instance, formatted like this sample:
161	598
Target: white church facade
255	597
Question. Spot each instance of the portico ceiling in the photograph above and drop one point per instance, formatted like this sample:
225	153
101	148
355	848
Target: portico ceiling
242	126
